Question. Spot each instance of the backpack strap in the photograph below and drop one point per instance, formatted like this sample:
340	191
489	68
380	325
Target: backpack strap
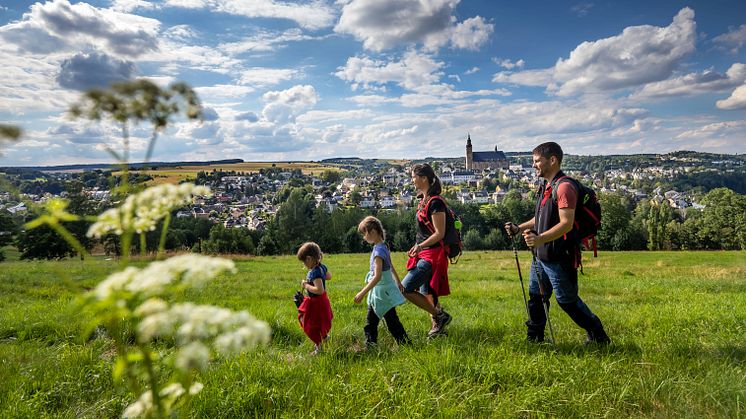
577	257
423	216
556	182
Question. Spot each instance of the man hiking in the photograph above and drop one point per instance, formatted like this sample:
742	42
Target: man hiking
556	249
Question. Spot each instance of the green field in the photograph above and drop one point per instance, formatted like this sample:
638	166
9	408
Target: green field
677	321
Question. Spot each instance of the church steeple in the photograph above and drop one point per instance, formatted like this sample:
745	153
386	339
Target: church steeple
469	154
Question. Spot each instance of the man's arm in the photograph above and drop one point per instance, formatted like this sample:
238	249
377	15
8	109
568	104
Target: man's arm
566	219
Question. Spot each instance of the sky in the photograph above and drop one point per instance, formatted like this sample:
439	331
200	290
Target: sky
403	79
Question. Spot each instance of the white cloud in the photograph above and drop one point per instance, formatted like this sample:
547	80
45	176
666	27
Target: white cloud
371	100
309	15
471	71
282	107
29	84
726	129
181	33
732	40
223	91
507	64
582	9
641	54
737	100
130	5
58	26
259	76
638	56
413	71
384	24
695	83
266	41
471	33
525	78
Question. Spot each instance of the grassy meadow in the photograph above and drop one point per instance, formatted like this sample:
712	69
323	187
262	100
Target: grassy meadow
177	174
677	321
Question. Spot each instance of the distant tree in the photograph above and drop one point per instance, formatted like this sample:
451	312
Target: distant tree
294	220
228	240
268	244
473	240
331	176
8	230
43	243
353	242
723	219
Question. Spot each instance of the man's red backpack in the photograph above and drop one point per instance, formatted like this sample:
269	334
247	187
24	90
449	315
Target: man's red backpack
587	212
452	238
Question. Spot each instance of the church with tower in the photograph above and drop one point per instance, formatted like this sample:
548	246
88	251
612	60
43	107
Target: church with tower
481	160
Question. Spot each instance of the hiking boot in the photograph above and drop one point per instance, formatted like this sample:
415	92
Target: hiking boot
441	321
534	333
534	338
597	337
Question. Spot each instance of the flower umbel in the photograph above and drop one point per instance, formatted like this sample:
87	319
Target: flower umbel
190	269
142	211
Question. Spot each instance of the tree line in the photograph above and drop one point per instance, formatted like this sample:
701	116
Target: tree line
626	225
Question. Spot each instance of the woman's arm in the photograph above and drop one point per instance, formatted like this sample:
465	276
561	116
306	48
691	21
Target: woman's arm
439	224
377	269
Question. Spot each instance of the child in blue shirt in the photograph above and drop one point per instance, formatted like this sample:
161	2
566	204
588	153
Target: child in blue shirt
315	312
382	286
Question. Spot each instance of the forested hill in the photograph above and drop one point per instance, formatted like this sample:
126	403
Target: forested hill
681	170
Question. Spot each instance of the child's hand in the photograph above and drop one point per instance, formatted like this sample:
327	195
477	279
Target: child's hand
400	285
359	297
303	285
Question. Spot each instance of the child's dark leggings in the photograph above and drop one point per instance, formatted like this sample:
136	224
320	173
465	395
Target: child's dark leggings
392	322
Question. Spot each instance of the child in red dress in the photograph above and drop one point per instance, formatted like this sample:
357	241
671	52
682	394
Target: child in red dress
315	312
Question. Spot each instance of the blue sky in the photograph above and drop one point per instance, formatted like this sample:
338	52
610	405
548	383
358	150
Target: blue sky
308	80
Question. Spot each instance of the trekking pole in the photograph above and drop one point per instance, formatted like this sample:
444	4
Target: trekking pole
514	239
544	303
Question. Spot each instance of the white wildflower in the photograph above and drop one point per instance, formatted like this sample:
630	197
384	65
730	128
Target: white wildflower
155	325
152	280
142	407
195	388
191	269
173	391
151	306
142	211
200	321
243	338
115	282
194	356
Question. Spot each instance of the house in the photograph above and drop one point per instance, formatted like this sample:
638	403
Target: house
368	202
480	197
388	202
17	209
462	176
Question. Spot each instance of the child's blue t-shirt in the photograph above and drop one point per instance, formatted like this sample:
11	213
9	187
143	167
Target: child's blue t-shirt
383	252
319	271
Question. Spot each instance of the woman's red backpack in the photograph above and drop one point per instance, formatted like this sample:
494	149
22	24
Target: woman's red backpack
452	238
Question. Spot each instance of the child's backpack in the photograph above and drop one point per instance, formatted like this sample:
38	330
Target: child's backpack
452	238
587	212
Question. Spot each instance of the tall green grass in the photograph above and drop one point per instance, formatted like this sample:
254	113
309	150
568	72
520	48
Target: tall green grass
677	321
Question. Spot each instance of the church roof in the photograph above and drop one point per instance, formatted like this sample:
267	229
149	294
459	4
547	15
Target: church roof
488	156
